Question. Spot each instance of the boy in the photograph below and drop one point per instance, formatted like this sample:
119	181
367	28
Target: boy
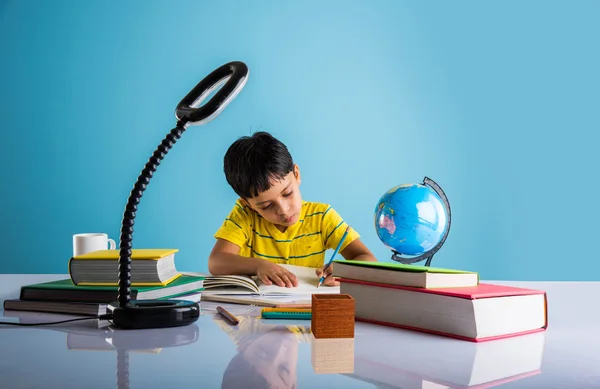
270	224
267	354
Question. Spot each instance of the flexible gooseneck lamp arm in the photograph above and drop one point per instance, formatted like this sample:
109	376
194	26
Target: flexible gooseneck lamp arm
150	313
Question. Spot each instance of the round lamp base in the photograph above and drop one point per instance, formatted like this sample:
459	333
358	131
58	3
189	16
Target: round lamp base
142	314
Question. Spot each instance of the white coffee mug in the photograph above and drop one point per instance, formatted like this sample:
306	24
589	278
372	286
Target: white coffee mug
85	243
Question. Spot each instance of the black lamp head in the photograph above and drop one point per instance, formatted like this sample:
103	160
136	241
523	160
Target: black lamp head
138	314
233	74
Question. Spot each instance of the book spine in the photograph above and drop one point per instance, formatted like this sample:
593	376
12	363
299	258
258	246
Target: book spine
449	335
546	309
74	310
71	295
69	270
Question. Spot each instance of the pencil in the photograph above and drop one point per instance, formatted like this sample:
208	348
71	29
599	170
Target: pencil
333	255
230	318
301	306
286	310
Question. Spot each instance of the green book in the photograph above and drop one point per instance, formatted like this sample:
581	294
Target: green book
65	290
405	275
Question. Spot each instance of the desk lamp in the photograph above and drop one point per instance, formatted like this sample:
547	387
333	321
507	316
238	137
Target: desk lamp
165	338
138	314
125	342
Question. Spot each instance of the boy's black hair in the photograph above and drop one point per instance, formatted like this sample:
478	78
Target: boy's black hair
251	162
240	373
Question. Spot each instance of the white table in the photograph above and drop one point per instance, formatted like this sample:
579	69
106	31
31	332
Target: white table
212	354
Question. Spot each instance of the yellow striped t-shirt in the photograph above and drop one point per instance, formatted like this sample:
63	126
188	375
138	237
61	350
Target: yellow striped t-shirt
319	228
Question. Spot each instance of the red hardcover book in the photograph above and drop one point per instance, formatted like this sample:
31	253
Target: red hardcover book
478	313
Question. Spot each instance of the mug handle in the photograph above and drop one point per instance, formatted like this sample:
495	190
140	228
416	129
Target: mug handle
111	244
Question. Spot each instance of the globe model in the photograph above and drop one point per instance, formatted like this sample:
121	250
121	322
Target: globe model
411	219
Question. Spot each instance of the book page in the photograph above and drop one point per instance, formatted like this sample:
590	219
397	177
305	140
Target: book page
228	284
240	285
307	283
401	267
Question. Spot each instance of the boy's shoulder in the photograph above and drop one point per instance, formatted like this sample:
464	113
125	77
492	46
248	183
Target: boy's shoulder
240	203
241	209
314	206
308	207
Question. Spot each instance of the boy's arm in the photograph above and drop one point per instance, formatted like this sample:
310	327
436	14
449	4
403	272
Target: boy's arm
225	259
333	227
354	251
357	251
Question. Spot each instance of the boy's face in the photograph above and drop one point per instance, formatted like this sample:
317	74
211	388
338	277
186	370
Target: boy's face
282	203
274	355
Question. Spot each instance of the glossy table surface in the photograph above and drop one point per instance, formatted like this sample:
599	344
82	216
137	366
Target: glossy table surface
283	354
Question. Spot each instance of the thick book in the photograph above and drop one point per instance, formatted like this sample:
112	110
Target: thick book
98	341
411	361
65	290
86	321
112	339
75	308
480	313
245	285
407	275
149	267
91	309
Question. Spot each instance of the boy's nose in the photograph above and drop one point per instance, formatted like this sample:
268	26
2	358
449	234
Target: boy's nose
283	210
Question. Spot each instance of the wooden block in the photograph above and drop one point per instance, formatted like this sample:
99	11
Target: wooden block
332	316
332	356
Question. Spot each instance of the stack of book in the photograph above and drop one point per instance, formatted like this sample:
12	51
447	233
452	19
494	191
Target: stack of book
445	302
93	283
411	361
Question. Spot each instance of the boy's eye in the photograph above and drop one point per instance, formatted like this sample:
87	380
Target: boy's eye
288	194
266	206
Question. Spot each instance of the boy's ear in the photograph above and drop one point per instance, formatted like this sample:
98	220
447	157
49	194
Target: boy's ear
297	174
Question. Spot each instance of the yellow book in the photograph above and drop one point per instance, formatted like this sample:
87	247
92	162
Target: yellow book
149	267
150	254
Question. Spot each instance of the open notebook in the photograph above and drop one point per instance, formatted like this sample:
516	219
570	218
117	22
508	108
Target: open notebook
245	285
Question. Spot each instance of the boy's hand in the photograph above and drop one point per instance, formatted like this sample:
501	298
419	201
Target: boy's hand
271	273
329	280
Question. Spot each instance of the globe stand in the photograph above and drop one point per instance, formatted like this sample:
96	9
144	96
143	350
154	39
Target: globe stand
397	256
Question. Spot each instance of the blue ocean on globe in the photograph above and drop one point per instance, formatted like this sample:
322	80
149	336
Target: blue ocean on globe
411	219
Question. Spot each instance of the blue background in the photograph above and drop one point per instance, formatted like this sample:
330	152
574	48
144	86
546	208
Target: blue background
496	101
